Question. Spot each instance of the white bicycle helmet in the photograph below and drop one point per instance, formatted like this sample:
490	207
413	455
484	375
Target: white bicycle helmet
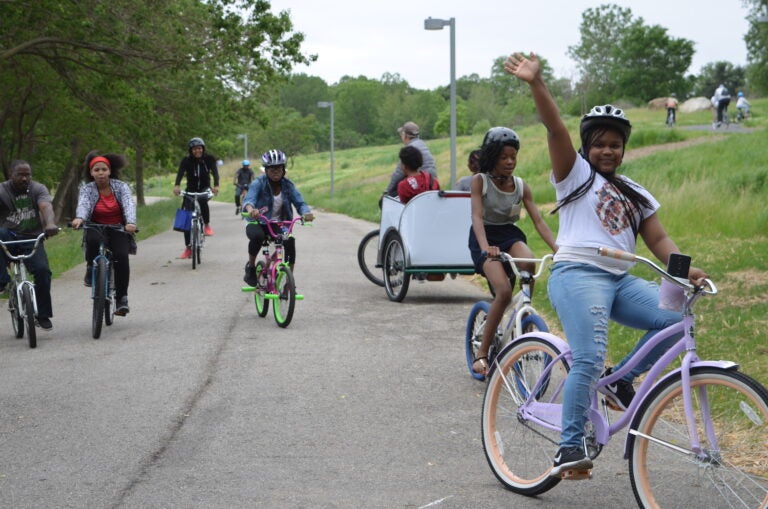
195	142
503	135
604	116
273	158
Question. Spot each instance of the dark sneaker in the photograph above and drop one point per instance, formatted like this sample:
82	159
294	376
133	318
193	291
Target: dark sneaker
571	462
250	276
618	395
88	279
122	308
44	322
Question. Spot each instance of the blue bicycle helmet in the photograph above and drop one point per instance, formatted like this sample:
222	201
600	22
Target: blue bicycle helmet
273	158
246	162
604	116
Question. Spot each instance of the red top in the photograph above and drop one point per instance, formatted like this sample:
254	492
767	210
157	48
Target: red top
416	184
107	210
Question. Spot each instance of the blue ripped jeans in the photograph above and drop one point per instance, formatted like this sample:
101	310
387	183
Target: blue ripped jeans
585	298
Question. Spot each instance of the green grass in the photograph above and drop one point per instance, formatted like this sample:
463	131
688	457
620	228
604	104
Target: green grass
714	198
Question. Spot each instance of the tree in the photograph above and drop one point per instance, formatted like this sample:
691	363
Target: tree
757	46
619	57
715	73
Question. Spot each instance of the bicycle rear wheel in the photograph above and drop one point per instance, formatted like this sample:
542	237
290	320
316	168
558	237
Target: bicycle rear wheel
17	319
520	449
731	470
285	286
473	336
262	304
367	256
28	301
99	296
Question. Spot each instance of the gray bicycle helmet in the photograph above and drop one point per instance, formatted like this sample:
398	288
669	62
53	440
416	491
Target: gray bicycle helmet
195	142
503	135
606	116
273	158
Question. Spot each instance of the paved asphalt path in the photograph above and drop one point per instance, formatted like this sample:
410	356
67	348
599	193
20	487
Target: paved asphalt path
192	400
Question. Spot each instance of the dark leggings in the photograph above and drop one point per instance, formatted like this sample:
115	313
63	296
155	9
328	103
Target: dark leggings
189	204
119	244
257	233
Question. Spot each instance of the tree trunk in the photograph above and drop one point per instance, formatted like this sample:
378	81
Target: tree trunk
140	175
65	200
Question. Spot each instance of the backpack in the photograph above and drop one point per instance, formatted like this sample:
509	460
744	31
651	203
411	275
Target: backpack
724	94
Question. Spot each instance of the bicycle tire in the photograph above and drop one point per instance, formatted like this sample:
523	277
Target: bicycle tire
732	473
519	450
99	296
193	243
262	304
396	280
198	252
110	302
285	286
473	335
17	319
29	314
367	257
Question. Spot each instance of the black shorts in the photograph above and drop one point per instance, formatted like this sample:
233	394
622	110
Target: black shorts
503	235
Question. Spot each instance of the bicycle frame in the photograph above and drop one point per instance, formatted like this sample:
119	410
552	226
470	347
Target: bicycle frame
685	346
522	300
274	259
19	269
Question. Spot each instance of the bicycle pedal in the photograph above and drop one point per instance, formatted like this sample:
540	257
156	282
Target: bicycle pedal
271	296
247	289
576	475
299	297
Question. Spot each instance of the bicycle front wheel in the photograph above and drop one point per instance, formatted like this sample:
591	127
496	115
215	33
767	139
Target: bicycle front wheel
99	296
262	304
285	286
16	317
396	279
473	336
730	412
367	256
110	302
194	241
28	301
519	447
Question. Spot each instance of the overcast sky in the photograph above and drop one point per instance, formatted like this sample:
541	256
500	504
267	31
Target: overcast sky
373	37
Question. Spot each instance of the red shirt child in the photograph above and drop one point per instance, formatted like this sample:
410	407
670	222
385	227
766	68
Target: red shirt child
415	181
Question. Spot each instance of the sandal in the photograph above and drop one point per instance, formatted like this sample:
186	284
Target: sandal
483	363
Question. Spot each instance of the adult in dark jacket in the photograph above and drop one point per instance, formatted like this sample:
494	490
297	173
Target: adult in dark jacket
197	167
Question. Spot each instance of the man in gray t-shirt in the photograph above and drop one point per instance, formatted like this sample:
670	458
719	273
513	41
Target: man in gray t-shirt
25	211
409	134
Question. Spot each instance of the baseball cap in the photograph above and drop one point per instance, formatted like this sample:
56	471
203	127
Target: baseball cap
409	128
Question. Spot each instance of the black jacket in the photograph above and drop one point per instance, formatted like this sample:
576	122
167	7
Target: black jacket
198	173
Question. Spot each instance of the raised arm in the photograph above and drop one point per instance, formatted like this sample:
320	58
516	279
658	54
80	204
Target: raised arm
561	152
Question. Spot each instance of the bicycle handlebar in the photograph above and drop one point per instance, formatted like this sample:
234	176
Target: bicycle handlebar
264	220
88	225
6	243
543	261
684	284
207	193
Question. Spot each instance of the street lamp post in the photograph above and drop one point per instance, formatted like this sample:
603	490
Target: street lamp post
329	104
244	137
438	24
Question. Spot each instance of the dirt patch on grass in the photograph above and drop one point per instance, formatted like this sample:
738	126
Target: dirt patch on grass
638	153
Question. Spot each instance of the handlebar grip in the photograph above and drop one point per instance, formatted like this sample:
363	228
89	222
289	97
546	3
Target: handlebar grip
616	253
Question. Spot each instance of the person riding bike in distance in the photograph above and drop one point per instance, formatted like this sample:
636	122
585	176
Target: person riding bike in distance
197	167
277	194
243	178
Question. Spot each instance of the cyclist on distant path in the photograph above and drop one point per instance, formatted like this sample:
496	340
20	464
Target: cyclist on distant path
598	208
497	198
275	192
243	178
25	211
722	99
409	135
108	200
197	167
742	105
672	109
